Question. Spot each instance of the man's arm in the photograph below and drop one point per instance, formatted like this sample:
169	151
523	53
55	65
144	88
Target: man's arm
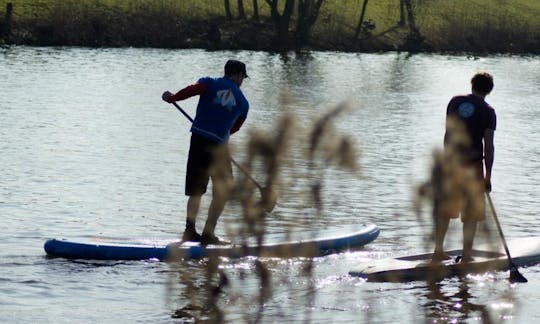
236	127
489	155
196	89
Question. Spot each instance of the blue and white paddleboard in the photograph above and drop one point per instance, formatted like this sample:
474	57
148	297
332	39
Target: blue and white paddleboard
524	252
310	243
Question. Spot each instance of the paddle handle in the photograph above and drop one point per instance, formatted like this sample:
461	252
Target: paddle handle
183	111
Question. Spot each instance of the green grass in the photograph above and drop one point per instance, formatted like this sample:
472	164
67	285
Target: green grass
431	13
480	23
193	9
445	24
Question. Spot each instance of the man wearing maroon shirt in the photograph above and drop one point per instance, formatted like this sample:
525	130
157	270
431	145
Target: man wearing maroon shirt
479	120
221	111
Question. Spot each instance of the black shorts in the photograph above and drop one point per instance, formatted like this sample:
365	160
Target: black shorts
207	159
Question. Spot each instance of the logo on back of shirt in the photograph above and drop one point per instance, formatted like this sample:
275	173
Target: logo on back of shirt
225	98
466	109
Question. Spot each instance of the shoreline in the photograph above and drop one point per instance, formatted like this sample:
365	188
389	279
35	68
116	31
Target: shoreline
220	34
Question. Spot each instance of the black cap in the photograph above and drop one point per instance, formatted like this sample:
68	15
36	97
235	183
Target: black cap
234	67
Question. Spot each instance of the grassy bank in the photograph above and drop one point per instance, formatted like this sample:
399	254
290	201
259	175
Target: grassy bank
444	25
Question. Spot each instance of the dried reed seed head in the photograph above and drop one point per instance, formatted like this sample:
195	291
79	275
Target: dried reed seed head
269	150
323	126
252	212
223	184
347	154
325	141
283	137
453	186
308	267
263	144
260	144
286	99
457	140
316	190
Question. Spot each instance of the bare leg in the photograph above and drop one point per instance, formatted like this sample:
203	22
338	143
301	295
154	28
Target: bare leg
193	204
469	230
190	233
221	175
441	227
214	211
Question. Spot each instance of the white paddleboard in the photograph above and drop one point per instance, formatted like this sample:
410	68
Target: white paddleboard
524	252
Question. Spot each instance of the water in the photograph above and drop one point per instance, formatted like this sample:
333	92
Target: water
88	148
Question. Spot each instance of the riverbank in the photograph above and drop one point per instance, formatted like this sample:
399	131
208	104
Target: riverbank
446	28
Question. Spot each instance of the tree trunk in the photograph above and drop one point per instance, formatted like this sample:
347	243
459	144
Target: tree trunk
228	9
414	39
308	12
241	11
410	17
5	27
281	21
256	10
401	12
361	20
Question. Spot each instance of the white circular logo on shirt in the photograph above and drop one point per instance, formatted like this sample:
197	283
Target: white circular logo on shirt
466	109
225	98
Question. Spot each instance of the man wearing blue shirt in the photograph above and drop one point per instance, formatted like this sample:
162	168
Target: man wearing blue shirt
221	111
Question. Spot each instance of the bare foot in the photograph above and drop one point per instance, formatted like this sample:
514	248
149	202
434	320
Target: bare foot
440	256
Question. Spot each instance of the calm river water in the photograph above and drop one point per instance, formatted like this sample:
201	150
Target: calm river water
88	148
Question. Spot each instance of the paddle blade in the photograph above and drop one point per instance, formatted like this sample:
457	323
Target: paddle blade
515	276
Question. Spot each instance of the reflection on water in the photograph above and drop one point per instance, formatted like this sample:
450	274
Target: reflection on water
461	300
88	148
454	305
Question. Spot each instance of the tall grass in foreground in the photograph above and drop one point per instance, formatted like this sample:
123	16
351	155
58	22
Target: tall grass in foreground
204	297
323	148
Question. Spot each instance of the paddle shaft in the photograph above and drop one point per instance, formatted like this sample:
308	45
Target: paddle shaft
250	177
499	228
515	276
